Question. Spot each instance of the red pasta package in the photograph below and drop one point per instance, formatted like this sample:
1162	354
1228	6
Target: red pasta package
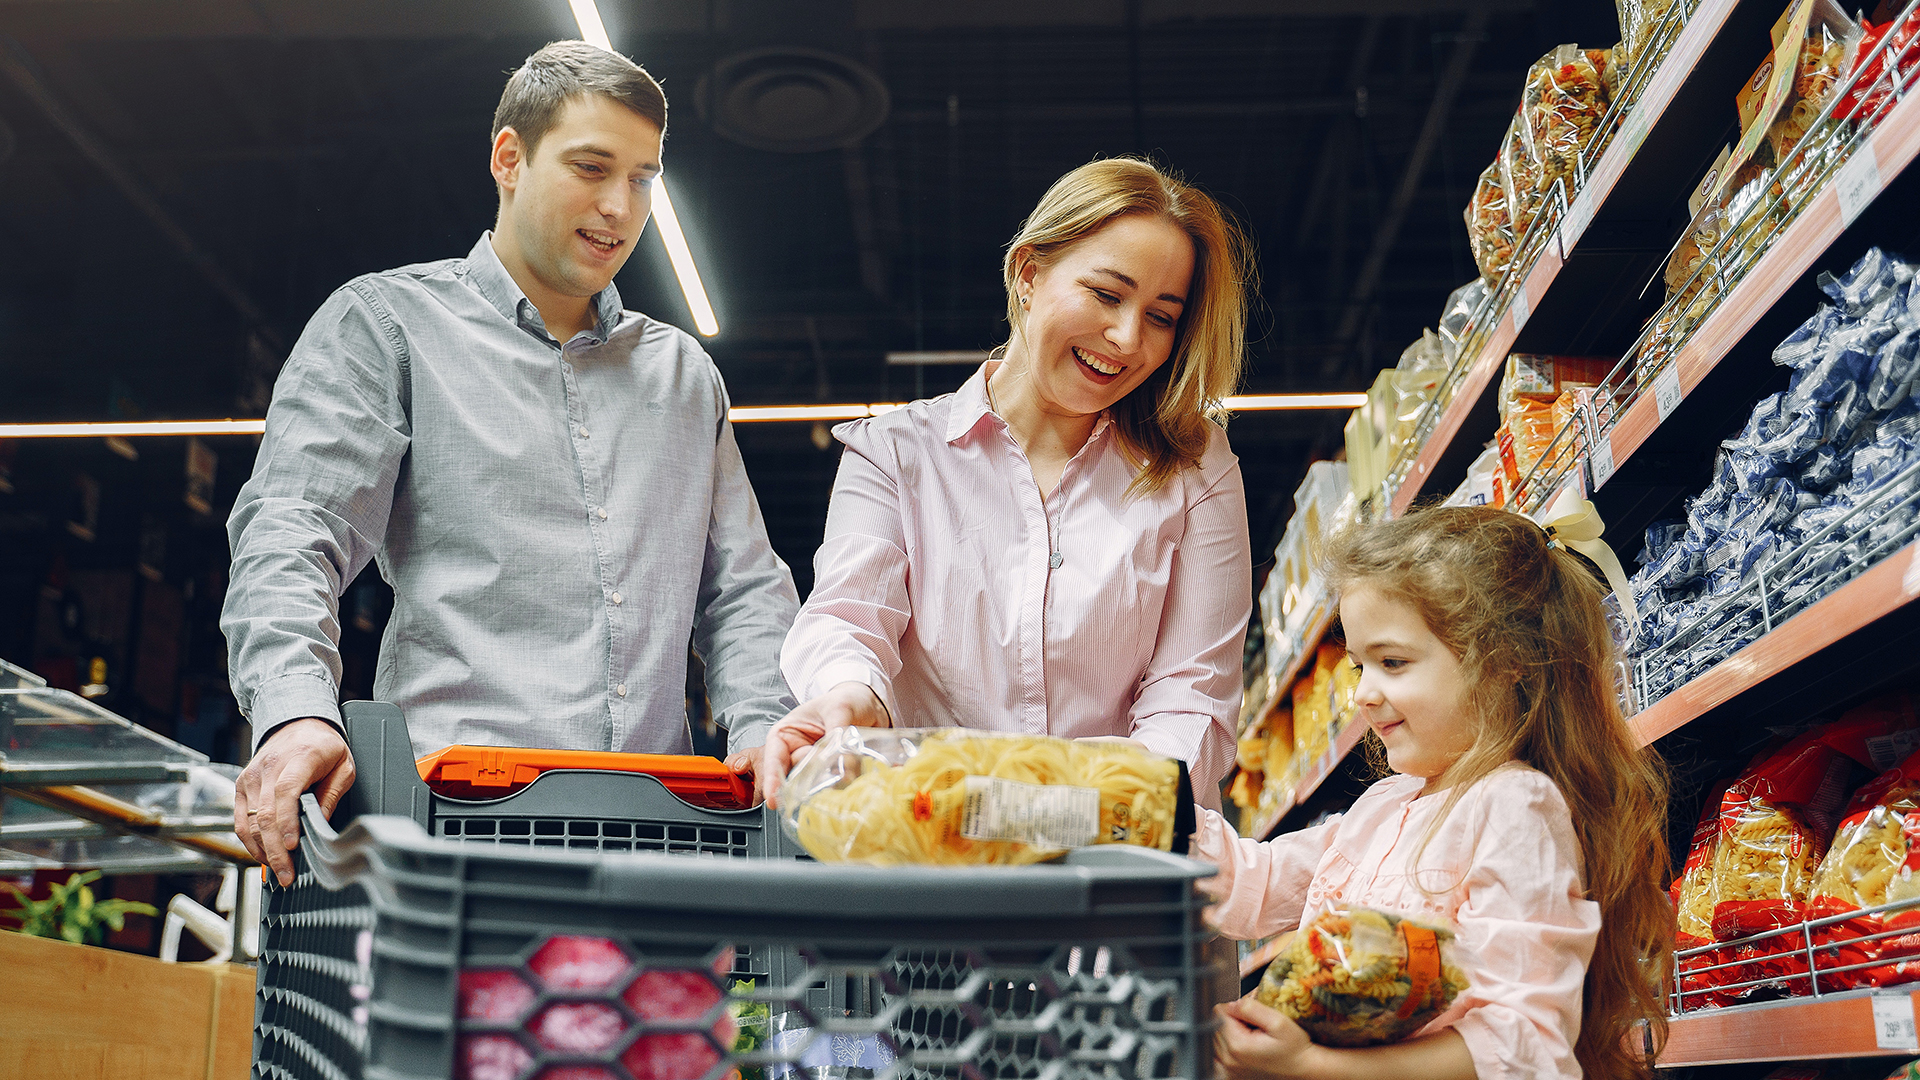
1692	894
1878	73
1874	860
1775	824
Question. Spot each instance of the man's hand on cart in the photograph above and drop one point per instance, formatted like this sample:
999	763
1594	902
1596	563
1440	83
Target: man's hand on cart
847	704
266	798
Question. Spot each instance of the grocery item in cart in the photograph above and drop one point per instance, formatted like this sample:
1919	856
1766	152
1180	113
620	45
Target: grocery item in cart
1362	977
960	797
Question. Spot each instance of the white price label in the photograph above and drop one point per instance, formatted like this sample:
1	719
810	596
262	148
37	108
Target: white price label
1893	1027
1666	390
1857	184
1574	225
1602	461
1520	309
1633	131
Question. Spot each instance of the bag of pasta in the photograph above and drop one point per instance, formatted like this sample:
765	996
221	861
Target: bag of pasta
1489	227
1362	977
959	797
1775	824
1565	98
1699	976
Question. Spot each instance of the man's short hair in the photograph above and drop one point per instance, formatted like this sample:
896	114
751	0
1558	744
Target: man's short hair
566	70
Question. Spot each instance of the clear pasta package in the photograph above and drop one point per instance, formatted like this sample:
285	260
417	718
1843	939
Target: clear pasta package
1362	977
960	797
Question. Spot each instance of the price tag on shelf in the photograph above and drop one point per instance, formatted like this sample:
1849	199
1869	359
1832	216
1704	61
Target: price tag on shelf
1520	309
1857	183
1893	1027
1574	225
1602	460
1666	390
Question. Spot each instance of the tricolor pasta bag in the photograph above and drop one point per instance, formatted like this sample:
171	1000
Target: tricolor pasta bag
1489	225
1565	98
959	797
1362	977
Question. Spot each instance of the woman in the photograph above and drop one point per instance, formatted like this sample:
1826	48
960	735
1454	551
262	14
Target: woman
1060	546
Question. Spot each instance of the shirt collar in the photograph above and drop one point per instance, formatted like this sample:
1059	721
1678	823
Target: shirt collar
970	406
489	276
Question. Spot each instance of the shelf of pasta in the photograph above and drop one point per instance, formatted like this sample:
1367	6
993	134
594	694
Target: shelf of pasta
1793	889
1298	744
1295	605
1583	114
1825	144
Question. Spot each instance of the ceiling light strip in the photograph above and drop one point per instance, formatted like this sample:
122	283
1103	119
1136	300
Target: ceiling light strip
1265	402
586	15
129	429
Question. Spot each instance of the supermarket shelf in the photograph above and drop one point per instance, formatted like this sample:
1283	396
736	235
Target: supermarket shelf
1342	745
1885	588
1623	192
1894	144
1838	1025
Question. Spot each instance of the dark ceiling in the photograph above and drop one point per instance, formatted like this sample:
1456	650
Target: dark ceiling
183	181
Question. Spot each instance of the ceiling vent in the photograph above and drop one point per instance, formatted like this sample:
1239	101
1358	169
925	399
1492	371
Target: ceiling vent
792	100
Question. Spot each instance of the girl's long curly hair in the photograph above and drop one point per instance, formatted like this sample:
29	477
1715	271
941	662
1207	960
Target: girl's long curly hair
1526	623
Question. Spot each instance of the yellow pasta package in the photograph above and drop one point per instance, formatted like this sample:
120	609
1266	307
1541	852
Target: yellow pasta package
1361	977
959	797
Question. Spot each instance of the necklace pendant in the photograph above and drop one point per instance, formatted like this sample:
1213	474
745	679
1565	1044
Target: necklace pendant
1055	560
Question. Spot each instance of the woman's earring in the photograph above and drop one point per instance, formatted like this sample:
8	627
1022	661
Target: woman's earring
1023	301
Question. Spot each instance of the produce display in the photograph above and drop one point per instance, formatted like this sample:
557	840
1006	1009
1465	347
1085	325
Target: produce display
1362	977
959	797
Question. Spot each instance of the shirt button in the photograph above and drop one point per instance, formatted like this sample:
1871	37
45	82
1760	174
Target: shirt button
602	511
621	689
584	433
616	598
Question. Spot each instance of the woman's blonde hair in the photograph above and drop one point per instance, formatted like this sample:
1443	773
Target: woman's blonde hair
1163	422
1534	647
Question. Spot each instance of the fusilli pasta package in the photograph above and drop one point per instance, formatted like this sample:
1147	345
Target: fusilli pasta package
959	797
1362	977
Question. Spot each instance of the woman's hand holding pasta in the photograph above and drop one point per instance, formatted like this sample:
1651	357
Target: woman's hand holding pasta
847	704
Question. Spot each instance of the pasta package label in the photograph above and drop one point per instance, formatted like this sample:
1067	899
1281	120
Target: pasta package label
1362	977
1050	818
957	797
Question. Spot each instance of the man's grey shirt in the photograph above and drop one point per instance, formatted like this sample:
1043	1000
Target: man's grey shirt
557	523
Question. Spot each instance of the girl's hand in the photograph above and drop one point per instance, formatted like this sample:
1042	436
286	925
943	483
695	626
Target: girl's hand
1258	1042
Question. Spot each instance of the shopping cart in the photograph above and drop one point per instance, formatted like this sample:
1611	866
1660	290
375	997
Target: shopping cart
405	949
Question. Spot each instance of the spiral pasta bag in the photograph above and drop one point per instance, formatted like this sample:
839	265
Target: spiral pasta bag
956	797
1362	977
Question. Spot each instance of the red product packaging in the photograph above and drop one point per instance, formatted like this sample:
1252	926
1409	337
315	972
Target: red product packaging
1874	860
1775	824
1692	894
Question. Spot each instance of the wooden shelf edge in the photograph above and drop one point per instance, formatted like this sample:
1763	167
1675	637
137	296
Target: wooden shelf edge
1799	1029
1890	584
1804	242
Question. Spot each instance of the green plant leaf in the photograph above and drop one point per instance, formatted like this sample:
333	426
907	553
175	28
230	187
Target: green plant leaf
71	932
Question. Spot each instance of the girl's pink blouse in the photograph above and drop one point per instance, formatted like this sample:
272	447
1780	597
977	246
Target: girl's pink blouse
1504	869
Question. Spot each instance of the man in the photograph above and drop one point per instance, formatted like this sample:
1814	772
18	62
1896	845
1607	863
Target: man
549	483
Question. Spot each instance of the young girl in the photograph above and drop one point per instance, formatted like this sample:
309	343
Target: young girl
1520	810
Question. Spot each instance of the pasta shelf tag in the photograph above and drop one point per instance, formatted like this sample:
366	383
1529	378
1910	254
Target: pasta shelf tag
1048	816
